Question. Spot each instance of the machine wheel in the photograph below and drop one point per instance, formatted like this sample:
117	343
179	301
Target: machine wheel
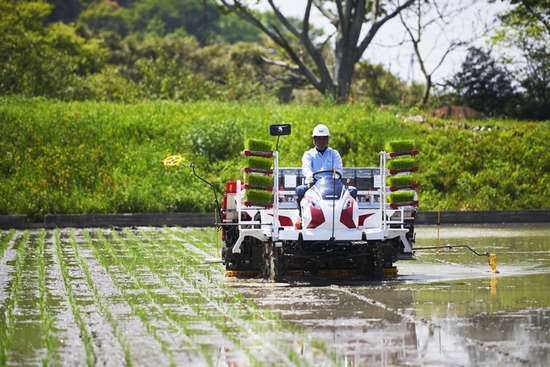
377	262
371	267
272	266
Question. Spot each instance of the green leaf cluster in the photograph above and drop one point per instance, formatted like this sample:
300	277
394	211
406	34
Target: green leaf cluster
186	50
51	61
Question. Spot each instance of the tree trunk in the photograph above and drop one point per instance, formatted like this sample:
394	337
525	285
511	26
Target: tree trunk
343	74
427	88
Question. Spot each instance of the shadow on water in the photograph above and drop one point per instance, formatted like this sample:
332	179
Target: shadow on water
445	308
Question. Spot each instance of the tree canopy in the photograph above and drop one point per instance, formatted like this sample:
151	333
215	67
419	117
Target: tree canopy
524	40
198	49
484	85
306	57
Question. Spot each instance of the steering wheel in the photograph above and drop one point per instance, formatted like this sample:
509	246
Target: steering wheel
338	174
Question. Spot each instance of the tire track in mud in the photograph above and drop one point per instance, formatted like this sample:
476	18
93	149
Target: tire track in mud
371	301
360	334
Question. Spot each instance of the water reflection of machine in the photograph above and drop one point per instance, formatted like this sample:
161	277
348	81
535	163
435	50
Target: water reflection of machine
362	326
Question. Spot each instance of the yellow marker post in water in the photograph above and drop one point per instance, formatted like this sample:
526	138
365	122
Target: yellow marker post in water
493	262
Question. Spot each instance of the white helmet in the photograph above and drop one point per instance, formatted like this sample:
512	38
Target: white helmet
320	130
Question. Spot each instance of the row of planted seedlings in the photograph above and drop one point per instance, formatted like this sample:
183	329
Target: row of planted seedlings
160	275
67	268
9	302
75	250
145	297
254	331
26	333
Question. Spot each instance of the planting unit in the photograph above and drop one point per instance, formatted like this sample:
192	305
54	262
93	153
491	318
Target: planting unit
332	233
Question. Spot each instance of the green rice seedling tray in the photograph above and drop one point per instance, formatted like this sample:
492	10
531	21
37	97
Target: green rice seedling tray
400	163
258	196
400	146
400	197
259	162
258	181
258	145
403	180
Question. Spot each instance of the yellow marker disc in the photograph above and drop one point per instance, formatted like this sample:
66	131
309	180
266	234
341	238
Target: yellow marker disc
172	160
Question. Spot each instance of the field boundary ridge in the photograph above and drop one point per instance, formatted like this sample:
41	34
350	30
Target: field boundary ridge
208	219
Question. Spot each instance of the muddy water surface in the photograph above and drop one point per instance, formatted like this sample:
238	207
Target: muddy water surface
447	308
146	297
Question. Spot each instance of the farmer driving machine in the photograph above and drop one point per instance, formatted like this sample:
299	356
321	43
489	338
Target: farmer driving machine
332	233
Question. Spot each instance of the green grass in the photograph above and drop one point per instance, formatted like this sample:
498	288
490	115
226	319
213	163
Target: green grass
94	158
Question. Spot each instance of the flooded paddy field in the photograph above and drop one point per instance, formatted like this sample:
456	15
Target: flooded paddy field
145	296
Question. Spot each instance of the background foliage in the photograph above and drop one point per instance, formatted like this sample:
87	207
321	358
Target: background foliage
184	50
190	50
104	157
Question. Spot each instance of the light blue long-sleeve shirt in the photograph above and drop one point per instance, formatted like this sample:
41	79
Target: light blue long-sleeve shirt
315	161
